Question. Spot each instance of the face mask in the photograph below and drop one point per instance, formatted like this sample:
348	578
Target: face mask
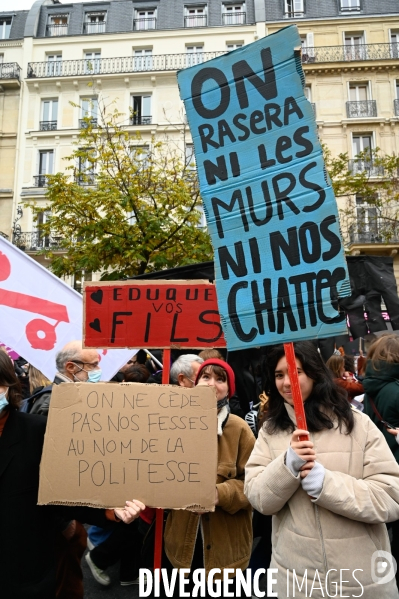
3	400
94	376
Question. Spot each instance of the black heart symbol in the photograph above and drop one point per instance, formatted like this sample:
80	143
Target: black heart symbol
97	296
95	325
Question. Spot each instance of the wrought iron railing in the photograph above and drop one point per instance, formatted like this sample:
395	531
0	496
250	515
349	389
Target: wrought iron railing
9	70
35	241
98	27
140	120
195	21
48	125
290	14
144	24
360	166
40	181
373	237
233	18
350	53
86	179
362	108
344	7
396	107
126	64
56	30
84	123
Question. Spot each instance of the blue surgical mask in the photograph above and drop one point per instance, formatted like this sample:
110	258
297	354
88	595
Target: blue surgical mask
3	400
94	376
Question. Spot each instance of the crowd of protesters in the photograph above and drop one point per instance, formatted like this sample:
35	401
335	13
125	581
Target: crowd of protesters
316	501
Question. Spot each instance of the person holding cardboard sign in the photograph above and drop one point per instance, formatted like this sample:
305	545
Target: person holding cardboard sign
27	530
330	495
223	538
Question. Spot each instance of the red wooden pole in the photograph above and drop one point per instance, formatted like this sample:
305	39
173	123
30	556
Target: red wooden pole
159	513
296	389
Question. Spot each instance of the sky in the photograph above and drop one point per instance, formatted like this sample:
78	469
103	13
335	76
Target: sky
26	4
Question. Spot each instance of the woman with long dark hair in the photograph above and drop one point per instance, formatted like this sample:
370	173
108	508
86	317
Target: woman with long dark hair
329	494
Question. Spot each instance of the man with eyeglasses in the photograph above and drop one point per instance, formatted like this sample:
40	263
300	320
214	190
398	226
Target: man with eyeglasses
184	370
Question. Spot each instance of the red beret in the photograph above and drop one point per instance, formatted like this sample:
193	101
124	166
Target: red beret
231	381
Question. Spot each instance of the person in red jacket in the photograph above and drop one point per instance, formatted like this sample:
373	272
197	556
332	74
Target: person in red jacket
344	379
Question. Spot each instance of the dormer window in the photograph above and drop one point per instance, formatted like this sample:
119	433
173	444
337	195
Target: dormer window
145	19
57	25
350	5
294	8
5	27
233	14
195	16
95	22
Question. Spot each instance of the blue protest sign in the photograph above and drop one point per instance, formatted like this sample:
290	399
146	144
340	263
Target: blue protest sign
271	211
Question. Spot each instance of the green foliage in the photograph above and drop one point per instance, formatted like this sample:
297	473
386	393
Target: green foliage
121	208
372	179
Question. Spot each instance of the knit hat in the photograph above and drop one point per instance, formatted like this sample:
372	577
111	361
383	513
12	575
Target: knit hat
229	372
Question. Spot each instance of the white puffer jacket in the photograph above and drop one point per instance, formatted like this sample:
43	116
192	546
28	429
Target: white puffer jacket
339	532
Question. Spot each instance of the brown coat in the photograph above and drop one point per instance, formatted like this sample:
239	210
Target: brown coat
226	532
344	526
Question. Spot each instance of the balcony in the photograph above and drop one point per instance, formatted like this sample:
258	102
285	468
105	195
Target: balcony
236	18
56	30
35	241
195	21
10	75
387	237
40	181
396	107
364	108
86	179
48	125
144	24
141	120
361	166
91	28
360	52
126	64
84	123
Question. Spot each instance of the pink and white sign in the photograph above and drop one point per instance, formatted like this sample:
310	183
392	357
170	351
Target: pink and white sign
39	313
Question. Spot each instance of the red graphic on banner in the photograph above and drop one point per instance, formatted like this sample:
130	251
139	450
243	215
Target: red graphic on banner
40	333
157	314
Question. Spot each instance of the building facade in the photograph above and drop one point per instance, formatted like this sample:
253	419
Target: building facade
71	57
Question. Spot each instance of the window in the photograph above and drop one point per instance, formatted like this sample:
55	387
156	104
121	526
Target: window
5	28
307	45
49	115
349	5
79	277
355	48
92	62
195	16
395	44
140	156
141	109
233	14
233	46
87	168
57	25
143	60
94	22
39	239
46	167
366	220
293	8
145	19
89	110
396	101
195	55
190	157
363	144
54	65
359	104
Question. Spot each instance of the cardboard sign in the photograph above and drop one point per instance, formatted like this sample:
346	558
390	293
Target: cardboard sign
39	313
157	314
272	215
106	443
